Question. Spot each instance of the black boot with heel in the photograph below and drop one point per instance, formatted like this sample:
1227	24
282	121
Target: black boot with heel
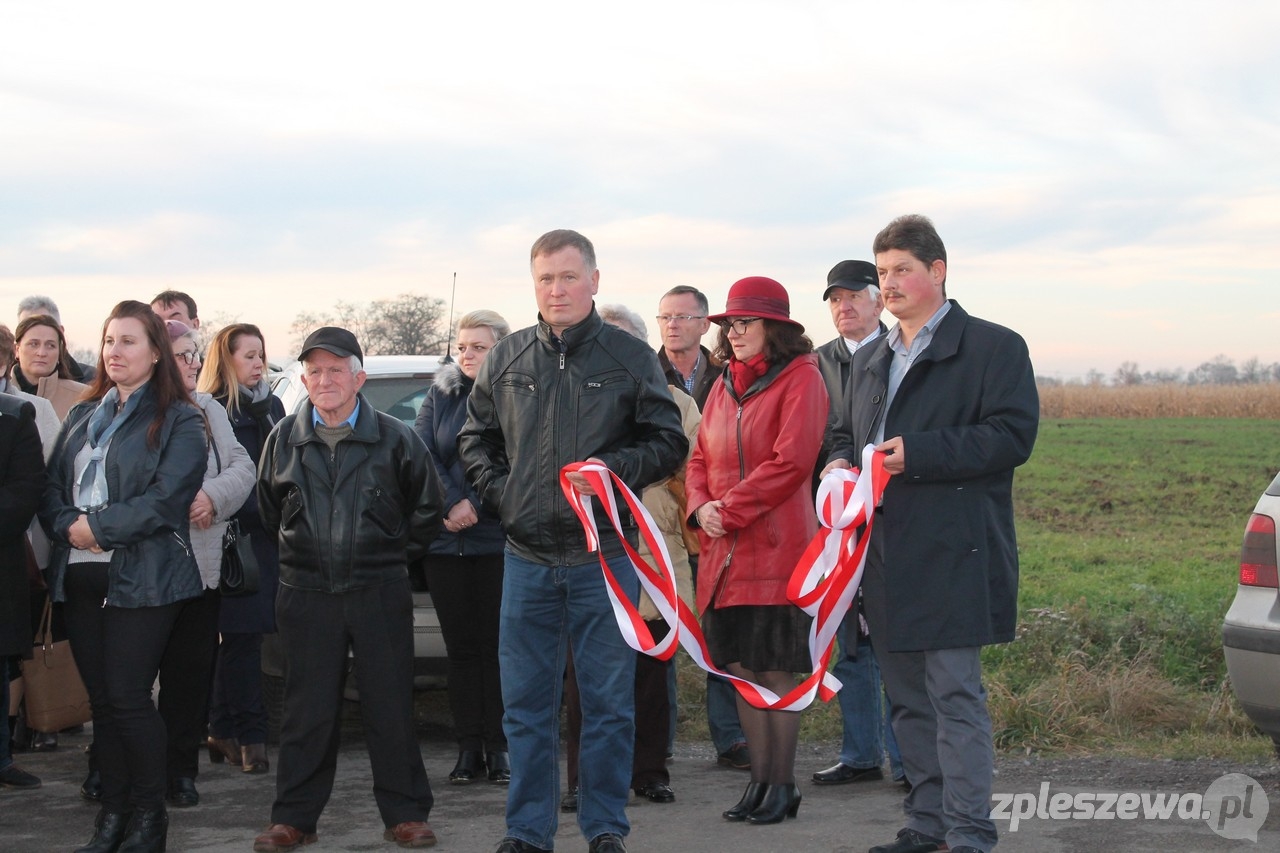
778	802
108	831
751	798
148	831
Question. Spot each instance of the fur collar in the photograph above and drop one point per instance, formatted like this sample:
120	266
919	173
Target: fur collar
450	380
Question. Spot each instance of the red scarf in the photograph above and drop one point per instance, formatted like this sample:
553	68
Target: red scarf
746	372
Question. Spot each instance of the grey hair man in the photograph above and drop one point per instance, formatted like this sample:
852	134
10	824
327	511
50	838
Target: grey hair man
353	498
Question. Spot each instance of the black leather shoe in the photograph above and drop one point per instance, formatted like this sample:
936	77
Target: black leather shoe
499	767
750	799
569	802
108	832
778	802
515	845
91	790
843	774
910	841
148	832
182	793
607	843
469	768
658	792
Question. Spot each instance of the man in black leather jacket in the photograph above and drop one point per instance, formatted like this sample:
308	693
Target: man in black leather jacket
569	389
354	498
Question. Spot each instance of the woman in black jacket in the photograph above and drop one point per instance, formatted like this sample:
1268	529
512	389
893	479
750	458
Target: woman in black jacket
128	463
235	374
464	565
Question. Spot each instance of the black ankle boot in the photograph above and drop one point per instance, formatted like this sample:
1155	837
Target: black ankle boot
148	831
750	800
778	802
109	829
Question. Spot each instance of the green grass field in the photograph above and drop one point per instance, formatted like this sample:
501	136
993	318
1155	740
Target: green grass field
1129	533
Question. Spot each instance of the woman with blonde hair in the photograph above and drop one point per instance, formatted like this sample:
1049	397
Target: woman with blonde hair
464	563
235	374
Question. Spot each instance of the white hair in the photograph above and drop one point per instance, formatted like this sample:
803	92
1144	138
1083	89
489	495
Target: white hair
625	319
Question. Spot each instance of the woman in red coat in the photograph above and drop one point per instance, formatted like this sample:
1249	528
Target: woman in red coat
748	485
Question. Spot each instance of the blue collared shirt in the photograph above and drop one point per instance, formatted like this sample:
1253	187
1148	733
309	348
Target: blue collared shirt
351	421
904	357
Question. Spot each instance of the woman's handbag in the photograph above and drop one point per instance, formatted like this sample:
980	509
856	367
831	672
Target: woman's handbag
55	695
239	576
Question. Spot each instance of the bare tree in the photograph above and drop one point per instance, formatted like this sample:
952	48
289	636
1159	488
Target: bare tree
408	324
1127	374
1220	371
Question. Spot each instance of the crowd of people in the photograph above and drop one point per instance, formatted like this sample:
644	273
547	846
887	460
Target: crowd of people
118	480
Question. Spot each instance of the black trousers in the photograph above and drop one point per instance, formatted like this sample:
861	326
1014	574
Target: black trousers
467	593
185	672
118	652
237	709
316	630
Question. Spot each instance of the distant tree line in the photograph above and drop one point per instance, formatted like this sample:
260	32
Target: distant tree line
408	324
1219	371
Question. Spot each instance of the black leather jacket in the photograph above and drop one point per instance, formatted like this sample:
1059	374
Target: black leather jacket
352	519
538	405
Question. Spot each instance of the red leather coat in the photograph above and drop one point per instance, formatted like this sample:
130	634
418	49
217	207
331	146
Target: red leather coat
757	455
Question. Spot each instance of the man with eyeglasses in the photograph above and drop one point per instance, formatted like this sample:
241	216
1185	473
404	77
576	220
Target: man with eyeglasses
682	321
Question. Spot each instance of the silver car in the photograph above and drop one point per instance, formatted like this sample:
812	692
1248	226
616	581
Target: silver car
396	385
1251	630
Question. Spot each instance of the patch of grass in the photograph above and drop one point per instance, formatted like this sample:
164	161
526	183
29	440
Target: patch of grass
1129	535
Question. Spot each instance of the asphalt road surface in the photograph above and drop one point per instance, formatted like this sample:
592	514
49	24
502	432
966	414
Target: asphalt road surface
847	818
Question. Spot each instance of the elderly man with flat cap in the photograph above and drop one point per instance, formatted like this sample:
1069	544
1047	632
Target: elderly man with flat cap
353	497
853	295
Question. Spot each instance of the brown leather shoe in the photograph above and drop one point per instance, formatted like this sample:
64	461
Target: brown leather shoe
253	758
281	836
224	749
412	833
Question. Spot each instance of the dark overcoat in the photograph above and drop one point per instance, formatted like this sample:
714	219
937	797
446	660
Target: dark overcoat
943	566
22	480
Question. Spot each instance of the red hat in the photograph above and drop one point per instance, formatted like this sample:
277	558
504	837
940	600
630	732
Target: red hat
757	296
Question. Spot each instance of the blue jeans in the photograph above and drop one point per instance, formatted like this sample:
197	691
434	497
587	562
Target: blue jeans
544	609
863	709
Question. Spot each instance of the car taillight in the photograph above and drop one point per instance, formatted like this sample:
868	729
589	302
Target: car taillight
1258	553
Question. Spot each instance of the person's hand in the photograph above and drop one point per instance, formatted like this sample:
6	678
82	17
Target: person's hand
202	512
839	463
895	460
710	520
460	517
579	481
81	537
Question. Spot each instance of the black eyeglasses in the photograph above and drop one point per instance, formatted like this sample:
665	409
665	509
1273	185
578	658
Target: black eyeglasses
739	325
189	357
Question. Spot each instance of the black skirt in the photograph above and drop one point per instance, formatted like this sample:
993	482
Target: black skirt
761	637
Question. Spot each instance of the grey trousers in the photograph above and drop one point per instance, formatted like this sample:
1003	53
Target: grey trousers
939	714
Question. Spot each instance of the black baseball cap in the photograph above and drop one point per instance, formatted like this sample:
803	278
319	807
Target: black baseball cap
332	339
851	275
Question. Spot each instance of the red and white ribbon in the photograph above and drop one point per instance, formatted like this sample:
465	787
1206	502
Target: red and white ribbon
822	584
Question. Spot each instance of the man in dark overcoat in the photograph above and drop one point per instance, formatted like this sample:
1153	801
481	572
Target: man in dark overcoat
951	399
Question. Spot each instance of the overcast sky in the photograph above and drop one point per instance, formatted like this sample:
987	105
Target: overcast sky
1106	175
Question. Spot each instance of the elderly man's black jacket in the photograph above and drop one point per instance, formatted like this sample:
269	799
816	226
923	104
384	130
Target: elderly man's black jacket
354	518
